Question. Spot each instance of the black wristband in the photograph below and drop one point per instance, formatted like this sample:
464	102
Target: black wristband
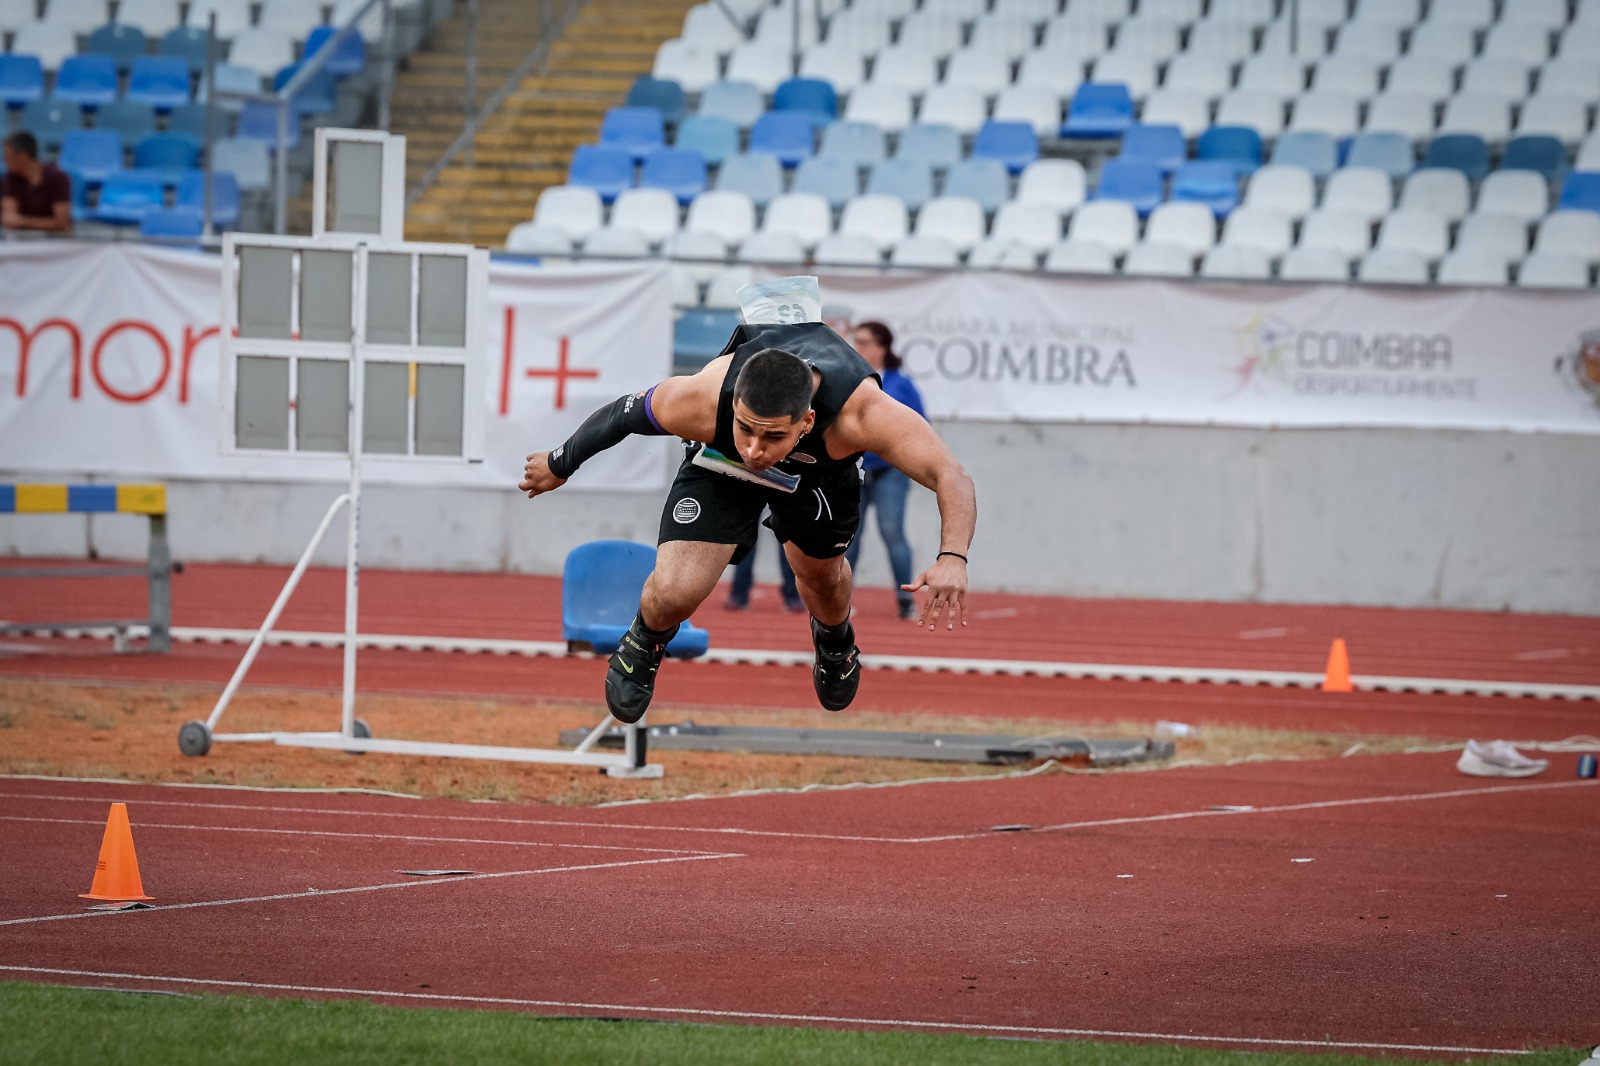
958	555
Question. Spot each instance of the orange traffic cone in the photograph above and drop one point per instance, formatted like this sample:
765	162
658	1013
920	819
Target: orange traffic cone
116	875
1337	677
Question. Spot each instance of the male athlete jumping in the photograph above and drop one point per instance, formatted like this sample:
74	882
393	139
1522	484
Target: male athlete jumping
778	420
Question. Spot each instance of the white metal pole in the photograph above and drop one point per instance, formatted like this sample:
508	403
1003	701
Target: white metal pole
352	563
272	615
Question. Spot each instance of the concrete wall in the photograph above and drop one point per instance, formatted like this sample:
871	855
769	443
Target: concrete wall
1401	518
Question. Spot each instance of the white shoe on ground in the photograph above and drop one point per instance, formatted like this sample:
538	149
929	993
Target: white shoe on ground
1498	759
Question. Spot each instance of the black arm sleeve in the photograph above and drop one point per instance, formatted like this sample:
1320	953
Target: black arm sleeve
606	427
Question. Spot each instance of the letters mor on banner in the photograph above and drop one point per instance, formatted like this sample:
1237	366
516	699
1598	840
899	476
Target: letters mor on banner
111	353
112	357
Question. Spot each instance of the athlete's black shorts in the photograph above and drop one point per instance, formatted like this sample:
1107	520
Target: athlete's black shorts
820	517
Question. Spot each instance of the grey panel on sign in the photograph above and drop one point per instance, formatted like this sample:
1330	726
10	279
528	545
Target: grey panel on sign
266	284
322	409
439	394
355	183
383	420
325	296
388	298
261	403
442	313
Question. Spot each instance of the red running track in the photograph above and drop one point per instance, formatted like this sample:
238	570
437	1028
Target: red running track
1459	644
1435	911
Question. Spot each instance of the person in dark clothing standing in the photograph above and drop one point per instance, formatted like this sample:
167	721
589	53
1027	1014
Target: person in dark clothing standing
777	421
882	486
744	577
36	196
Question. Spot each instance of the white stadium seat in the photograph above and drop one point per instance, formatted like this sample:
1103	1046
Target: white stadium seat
1314	264
1061	183
1291	190
1442	190
1472	268
805	216
847	249
927	252
1523	194
1159	261
1236	262
1499	236
1111	223
727	215
1554	270
689	65
879	218
1033	225
1079	257
1190	226
1343	232
1570	233
1393	266
650	212
957	220
1258	227
1417	230
574	209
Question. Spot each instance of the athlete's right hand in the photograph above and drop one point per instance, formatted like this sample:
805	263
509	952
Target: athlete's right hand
536	475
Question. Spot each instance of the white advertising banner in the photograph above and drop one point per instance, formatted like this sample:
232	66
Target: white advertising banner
109	364
1004	346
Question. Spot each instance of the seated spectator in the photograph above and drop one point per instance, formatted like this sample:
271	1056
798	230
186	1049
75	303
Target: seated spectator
36	196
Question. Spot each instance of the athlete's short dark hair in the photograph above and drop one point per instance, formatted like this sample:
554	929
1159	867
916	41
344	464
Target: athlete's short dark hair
24	142
775	384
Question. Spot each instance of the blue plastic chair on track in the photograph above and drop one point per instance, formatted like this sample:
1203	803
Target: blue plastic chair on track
600	586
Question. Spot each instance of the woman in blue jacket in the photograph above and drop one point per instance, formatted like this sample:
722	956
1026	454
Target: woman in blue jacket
882	486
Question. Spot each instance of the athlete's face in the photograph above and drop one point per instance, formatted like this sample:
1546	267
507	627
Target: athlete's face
763	442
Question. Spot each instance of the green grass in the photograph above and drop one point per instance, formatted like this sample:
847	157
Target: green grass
46	1025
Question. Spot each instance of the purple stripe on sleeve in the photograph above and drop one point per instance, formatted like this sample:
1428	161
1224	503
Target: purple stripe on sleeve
651	415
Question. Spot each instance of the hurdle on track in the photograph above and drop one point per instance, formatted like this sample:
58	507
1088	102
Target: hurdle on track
147	500
355	341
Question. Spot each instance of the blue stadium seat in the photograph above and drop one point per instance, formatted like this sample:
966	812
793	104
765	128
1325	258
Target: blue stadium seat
600	586
714	137
784	134
935	144
349	58
191	119
123	44
231	78
1536	152
983	180
736	100
758	175
132	120
1012	143
1309	150
187	43
1135	182
128	195
89	80
663	94
636	130
50	120
1580	192
160	81
699	337
909	180
1237	145
93	154
21	80
316	96
224	196
1465	152
170	153
811	97
604	169
1213	182
680	171
861	143
835	180
1099	110
1163	145
80	193
171	224
1388	152
258	121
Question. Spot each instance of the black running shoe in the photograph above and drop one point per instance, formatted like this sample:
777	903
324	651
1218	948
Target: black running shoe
835	676
631	678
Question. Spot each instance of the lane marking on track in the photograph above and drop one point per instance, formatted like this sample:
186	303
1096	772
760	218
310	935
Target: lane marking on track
319	893
1207	812
761	1016
361	836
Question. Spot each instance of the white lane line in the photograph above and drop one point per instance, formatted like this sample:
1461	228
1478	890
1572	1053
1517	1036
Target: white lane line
544	822
764	1016
1357	801
319	893
358	836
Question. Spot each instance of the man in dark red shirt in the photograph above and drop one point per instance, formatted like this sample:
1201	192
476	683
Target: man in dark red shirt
36	196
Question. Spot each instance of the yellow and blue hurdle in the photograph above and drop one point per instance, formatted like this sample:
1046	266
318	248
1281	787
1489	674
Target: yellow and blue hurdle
145	499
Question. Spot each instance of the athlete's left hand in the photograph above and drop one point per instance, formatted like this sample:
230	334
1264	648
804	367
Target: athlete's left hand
947	580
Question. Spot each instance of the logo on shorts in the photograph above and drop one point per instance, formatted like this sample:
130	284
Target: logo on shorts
686	510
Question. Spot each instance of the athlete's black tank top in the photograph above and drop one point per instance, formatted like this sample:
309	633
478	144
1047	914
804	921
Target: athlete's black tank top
842	370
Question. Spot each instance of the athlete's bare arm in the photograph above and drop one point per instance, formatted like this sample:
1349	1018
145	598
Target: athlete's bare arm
685	407
873	421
